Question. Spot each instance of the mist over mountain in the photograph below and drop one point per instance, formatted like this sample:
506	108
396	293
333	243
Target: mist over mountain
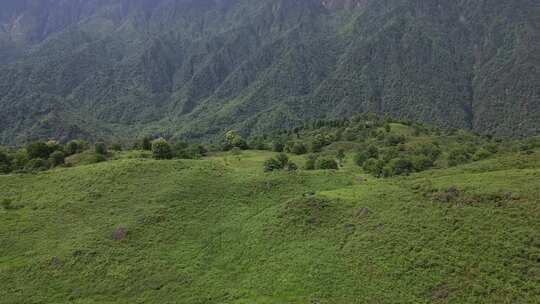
108	69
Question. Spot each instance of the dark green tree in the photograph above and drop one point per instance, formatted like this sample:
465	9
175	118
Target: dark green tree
161	149
299	148
146	144
340	156
233	139
327	164
5	162
278	146
100	148
56	158
38	150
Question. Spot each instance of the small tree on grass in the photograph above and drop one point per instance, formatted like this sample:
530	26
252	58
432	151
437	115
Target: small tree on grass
38	150
161	149
299	148
327	164
278	147
458	156
6	204
100	148
340	156
116	147
374	166
370	152
283	159
233	139
74	147
272	164
280	162
5	163
56	159
398	166
146	144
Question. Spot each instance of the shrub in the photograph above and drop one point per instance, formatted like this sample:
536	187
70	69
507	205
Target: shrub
299	149
283	160
327	164
196	151
492	148
100	148
349	134
7	204
19	160
398	166
37	164
311	162
319	142
431	151
390	153
258	143
340	156
74	147
56	159
179	150
373	166
116	147
481	154
394	140
278	147
360	158
458	156
422	163
54	146
280	162
272	164
236	151
38	150
291	166
98	158
233	139
372	151
5	162
146	144
161	149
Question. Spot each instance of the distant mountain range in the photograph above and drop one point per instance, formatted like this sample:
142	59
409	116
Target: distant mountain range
117	69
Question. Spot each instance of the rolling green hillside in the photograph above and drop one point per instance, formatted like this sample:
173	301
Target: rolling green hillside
99	69
219	230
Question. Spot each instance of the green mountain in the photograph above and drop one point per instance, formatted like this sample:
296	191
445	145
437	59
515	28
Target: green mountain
116	69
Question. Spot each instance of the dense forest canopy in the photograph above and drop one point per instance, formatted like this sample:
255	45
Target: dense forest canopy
97	69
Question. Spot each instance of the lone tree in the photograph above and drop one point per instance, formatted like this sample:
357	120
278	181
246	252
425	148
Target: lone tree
340	157
233	139
5	162
146	144
56	159
161	149
280	162
38	150
100	148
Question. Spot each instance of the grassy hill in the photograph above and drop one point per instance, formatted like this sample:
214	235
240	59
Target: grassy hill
220	230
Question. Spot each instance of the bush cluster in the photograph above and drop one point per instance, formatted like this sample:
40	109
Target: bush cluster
280	162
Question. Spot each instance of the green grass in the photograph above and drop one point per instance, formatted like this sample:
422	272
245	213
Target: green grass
219	230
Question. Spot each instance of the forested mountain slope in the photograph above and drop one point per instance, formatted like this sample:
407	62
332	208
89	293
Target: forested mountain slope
184	68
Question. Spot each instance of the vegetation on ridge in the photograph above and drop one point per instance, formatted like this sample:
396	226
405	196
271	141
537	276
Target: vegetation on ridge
221	230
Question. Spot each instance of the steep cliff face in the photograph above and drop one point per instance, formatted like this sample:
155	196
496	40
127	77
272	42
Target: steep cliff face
110	68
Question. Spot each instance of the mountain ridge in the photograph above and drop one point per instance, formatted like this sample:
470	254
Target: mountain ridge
182	68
